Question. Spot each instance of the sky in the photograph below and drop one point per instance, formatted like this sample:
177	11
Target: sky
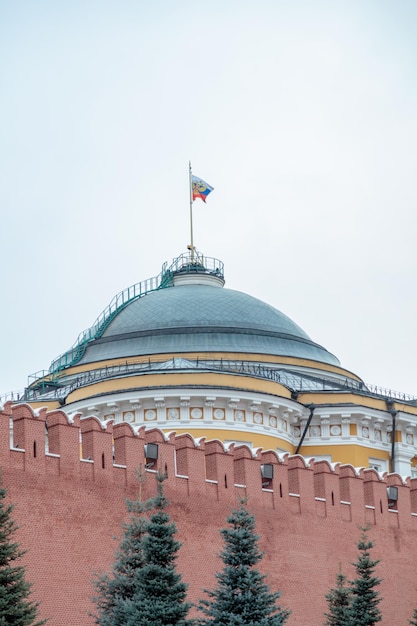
302	114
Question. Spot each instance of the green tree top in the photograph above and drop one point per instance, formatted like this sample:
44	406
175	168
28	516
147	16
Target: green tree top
15	607
241	596
144	588
338	601
364	610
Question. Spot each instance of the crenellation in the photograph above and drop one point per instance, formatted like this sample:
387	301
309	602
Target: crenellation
127	445
412	484
370	478
190	455
247	472
97	446
375	494
87	449
327	487
301	479
352	493
6	432
165	462
29	433
242	456
220	468
183	444
64	440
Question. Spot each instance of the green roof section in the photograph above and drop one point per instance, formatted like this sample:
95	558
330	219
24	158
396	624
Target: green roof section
192	263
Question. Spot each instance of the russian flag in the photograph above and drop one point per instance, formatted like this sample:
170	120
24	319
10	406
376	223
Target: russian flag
199	188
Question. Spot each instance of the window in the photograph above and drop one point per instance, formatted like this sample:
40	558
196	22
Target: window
379	465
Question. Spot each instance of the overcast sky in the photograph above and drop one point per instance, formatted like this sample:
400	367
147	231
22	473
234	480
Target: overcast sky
301	114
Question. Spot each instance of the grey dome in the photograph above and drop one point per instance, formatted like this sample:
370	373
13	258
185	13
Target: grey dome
202	318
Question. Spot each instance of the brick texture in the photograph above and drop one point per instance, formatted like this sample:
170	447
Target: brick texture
69	480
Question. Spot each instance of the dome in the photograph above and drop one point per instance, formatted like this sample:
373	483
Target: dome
202	317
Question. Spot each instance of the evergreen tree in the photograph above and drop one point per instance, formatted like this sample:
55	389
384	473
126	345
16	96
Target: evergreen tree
121	584
364	609
338	601
241	596
413	621
15	607
144	588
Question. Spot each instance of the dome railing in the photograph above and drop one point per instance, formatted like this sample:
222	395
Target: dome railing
183	263
295	382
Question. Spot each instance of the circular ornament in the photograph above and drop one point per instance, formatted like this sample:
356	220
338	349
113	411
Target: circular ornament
128	416
150	415
296	431
239	416
365	432
196	413
273	422
219	414
173	414
335	430
257	418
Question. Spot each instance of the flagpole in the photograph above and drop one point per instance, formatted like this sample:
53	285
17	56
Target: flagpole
191	247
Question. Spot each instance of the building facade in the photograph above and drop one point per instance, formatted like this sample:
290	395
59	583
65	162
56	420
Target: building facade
182	352
231	399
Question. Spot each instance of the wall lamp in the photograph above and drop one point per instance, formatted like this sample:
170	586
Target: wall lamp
392	493
267	473
151	454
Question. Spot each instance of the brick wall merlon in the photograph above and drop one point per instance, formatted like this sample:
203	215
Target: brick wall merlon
92	423
193	464
25	411
97	446
128	448
123	429
59	417
324	467
297	462
214	446
269	456
242	452
29	430
347	471
184	440
395	480
154	435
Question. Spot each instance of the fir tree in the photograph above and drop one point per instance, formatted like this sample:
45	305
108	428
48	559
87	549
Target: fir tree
121	584
338	601
144	588
413	621
15	607
364	609
241	596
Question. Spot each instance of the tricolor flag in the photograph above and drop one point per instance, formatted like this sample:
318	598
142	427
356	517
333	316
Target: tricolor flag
199	188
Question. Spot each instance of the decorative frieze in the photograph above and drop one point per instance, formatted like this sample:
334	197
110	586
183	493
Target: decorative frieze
259	415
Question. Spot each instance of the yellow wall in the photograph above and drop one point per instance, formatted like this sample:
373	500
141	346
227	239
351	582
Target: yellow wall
266	442
179	380
233	356
355	455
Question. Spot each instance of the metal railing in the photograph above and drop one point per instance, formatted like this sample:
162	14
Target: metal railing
183	263
11	396
295	382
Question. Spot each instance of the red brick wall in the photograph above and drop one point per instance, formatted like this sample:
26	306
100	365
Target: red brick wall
70	513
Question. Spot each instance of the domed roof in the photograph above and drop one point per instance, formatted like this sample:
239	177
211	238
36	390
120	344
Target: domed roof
202	317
